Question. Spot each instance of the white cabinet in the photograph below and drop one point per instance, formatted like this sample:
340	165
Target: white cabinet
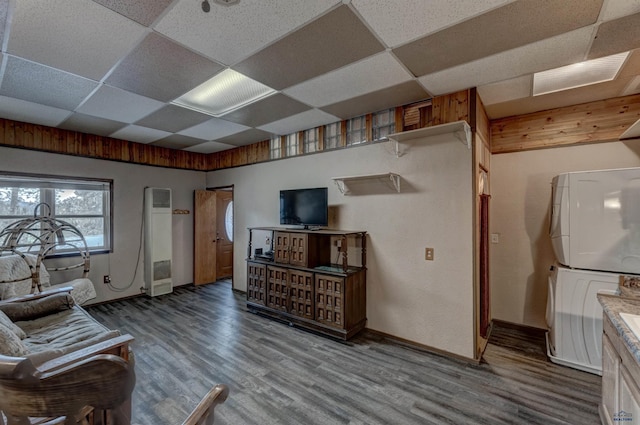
620	402
610	381
629	408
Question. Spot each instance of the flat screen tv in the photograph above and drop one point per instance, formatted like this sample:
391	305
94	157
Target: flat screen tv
304	207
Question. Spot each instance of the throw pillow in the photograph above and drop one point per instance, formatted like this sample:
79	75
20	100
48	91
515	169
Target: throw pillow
32	309
6	322
10	344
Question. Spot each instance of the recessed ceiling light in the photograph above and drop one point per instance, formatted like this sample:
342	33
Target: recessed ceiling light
578	74
224	93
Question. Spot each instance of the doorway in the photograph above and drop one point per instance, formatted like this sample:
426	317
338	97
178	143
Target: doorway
213	235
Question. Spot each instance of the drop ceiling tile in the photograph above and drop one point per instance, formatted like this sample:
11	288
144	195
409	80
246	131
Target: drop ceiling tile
173	118
37	83
209	147
303	121
570	97
400	21
91	125
247	137
141	11
494	32
230	34
546	54
266	110
213	129
161	69
619	8
330	42
616	36
118	105
4	10
368	75
632	87
177	141
134	133
74	36
502	91
631	67
390	97
21	110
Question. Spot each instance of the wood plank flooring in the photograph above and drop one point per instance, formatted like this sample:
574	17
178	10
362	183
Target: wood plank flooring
190	340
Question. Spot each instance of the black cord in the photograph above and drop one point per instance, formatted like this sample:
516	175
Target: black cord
135	271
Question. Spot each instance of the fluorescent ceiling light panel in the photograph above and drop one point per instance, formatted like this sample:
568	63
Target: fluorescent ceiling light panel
224	93
578	75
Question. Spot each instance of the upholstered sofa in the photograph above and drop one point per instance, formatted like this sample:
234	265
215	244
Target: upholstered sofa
47	337
48	326
18	272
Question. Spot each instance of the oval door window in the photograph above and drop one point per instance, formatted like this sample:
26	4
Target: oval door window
228	221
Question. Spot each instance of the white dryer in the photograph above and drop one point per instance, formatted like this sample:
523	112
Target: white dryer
574	317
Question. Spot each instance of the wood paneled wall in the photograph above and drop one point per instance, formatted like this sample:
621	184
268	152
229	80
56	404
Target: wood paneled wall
601	121
48	139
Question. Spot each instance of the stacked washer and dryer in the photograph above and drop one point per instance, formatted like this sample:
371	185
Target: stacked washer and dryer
595	233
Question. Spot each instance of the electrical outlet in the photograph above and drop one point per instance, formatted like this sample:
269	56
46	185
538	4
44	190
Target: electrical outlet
428	254
495	238
107	279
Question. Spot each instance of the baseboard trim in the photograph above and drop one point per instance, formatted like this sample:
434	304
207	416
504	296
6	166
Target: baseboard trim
529	330
421	347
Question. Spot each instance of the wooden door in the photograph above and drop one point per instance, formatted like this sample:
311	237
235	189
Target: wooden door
224	245
204	236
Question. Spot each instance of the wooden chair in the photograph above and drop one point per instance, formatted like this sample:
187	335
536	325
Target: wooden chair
203	413
92	390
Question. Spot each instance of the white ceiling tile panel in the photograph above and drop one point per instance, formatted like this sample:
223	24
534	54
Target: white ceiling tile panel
21	110
515	88
400	21
302	121
230	33
34	82
119	105
614	9
215	128
135	133
374	73
546	54
209	147
80	37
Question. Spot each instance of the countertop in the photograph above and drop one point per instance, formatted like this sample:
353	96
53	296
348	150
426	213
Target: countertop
612	306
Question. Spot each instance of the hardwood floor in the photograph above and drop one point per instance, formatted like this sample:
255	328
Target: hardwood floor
190	340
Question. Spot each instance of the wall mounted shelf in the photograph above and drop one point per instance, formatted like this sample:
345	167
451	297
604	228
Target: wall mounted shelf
343	182
460	129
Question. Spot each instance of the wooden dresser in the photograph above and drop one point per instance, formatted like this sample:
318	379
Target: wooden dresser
300	285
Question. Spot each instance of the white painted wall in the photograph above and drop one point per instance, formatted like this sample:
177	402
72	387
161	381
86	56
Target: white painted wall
430	303
521	195
128	186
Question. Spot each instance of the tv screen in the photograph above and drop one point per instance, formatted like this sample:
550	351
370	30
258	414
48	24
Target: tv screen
304	207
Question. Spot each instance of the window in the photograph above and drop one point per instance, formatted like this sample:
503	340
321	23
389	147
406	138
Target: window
86	204
275	148
332	135
384	123
228	221
291	144
311	139
356	131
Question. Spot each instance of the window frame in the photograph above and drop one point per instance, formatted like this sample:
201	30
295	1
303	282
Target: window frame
49	184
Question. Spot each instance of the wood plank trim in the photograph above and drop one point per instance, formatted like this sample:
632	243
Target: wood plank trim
593	122
36	137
